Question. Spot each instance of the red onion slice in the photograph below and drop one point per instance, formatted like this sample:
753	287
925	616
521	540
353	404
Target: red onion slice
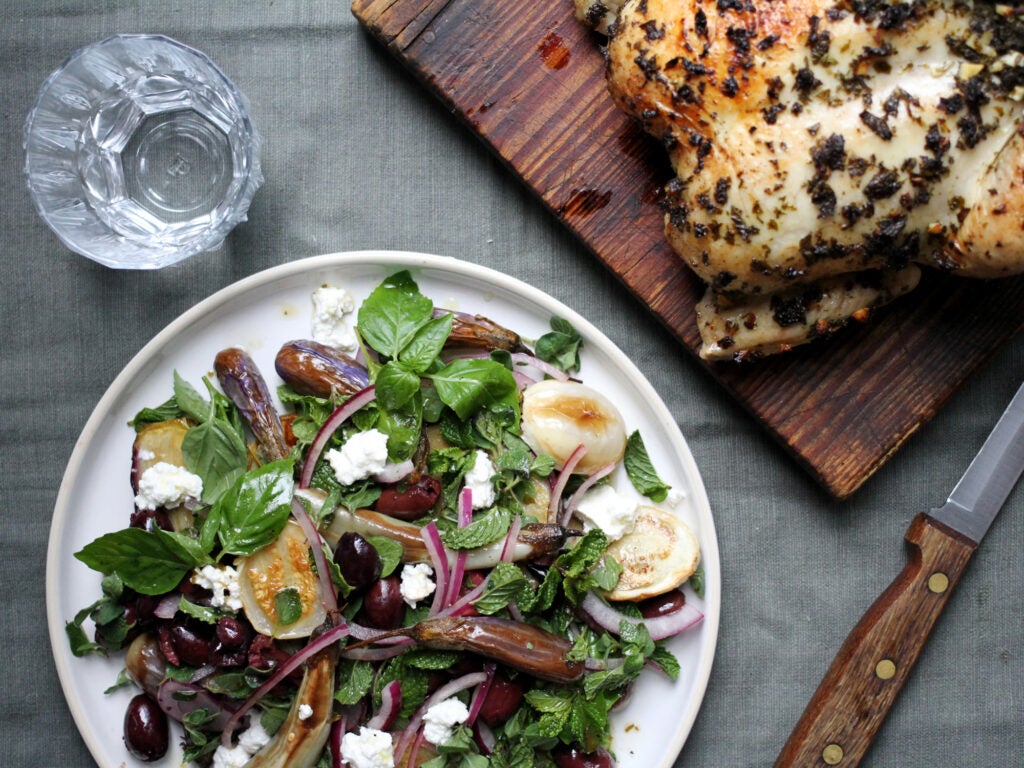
446	691
439	558
522	358
328	595
586	485
563	478
390	706
660	628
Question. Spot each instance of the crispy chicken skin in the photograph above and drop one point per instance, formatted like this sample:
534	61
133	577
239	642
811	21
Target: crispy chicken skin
813	138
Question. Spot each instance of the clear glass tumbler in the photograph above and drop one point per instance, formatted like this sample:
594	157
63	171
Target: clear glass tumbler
139	152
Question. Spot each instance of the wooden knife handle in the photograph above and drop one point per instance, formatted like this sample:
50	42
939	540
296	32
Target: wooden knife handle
860	687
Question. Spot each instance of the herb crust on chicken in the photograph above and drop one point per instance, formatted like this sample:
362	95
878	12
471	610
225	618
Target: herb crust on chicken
824	146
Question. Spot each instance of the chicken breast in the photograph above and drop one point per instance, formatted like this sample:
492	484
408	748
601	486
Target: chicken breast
814	139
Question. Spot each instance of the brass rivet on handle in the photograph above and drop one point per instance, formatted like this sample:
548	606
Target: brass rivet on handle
832	754
938	582
885	669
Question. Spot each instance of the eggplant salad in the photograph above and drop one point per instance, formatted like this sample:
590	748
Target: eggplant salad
431	545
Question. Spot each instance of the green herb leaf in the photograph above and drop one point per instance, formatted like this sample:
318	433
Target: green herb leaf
641	471
467	385
254	511
421	352
504	584
355	679
200	612
561	347
166	411
216	452
393	314
389	551
150	562
288	605
190	401
396	386
485	529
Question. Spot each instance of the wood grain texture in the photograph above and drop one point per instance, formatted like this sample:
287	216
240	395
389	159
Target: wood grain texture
528	80
853	700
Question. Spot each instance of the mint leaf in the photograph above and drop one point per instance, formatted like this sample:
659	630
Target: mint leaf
504	584
216	452
467	385
354	681
150	562
487	528
641	471
254	511
561	347
393	313
389	551
288	605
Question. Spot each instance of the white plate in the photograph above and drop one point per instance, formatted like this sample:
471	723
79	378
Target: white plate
262	312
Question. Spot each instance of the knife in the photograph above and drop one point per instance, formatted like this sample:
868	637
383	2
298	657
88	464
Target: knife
857	692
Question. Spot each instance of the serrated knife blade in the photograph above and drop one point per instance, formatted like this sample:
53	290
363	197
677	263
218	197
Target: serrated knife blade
859	688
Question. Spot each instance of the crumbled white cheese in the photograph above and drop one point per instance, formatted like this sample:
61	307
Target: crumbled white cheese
249	743
167	485
222	581
254	738
605	508
230	757
417	583
674	497
440	720
363	454
332	312
305	711
478	480
369	748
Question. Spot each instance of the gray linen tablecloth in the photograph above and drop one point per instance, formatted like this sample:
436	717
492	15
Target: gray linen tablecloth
359	156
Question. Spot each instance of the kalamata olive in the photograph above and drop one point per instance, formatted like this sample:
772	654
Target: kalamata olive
358	560
146	733
571	757
503	698
191	648
662	605
383	605
408	501
232	633
150	519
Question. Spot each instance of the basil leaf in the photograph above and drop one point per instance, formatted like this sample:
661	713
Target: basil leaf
466	386
393	313
641	471
166	411
426	345
190	401
396	386
216	452
150	562
254	511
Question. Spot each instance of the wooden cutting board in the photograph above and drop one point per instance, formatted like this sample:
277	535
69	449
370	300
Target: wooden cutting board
528	79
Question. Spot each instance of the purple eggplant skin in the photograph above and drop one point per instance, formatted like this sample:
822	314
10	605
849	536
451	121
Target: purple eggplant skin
242	382
312	368
478	332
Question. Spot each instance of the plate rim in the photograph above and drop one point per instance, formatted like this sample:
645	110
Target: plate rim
385	258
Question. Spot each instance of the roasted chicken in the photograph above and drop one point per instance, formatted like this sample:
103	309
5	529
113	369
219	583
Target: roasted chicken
823	149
